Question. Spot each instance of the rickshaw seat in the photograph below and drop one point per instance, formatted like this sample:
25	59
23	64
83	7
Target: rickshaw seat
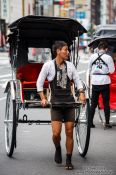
28	75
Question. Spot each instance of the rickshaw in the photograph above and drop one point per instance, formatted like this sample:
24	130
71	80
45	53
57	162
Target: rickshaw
106	33
28	33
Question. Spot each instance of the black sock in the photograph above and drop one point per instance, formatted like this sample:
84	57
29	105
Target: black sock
58	147
68	158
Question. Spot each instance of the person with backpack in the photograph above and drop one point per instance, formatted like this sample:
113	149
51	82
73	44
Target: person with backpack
100	66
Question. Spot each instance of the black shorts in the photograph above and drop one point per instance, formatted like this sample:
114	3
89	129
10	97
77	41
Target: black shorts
63	114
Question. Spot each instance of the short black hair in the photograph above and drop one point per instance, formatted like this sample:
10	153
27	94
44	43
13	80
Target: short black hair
58	45
103	45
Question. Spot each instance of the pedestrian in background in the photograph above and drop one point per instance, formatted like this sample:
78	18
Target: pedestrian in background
100	65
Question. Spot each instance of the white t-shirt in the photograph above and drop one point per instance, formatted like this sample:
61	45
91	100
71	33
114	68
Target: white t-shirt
101	79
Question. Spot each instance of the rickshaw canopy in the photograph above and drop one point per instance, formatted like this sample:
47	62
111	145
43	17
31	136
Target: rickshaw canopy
42	31
104	32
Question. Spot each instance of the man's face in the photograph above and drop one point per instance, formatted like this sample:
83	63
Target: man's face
63	52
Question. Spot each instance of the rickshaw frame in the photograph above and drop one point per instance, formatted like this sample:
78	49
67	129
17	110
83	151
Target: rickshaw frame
42	32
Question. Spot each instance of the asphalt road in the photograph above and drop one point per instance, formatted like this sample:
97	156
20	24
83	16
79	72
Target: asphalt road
34	154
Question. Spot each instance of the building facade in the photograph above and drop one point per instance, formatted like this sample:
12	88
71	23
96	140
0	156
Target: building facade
108	12
114	12
11	10
87	11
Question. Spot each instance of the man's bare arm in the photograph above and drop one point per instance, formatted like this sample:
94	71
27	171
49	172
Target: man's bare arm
43	99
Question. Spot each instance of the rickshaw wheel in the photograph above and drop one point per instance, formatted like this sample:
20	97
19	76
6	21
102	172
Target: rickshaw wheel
82	128
10	124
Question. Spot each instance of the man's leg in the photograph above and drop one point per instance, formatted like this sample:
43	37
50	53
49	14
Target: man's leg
56	130
106	98
94	103
69	126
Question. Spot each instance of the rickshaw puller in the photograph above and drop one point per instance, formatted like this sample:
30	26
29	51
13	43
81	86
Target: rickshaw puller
60	73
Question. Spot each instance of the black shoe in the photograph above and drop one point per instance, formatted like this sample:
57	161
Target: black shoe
107	126
58	155
68	165
92	125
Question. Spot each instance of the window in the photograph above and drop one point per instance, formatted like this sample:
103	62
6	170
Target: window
40	55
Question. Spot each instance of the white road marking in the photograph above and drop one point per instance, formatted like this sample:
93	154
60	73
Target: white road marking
6	75
113	116
2	98
4	84
6	66
3	62
26	131
4	80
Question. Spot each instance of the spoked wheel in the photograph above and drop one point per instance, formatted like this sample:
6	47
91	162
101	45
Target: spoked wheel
10	124
82	128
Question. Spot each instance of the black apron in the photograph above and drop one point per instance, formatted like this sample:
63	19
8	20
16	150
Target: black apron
61	97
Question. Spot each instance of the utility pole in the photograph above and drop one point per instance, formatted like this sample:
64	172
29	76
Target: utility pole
39	8
23	7
53	9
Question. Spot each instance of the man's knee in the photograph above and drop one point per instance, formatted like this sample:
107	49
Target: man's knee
69	133
56	135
